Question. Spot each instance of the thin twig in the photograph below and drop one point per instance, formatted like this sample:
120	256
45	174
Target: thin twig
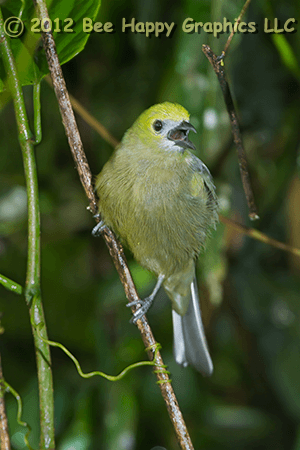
114	246
235	26
33	262
85	115
4	434
218	66
259	236
219	69
95	124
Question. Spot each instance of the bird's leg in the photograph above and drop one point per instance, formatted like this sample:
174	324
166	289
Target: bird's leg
147	302
96	231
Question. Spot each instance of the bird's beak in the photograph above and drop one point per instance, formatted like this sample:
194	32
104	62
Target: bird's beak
180	135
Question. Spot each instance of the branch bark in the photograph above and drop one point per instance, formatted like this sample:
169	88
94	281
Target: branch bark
217	63
113	245
219	69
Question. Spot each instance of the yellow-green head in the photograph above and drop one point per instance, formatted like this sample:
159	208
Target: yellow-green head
165	126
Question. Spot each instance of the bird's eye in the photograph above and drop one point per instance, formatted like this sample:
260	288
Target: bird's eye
157	125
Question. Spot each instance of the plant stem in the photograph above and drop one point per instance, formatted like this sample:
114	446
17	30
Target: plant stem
4	435
37	113
32	287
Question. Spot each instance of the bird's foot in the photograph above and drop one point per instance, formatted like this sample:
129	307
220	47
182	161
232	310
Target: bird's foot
145	305
96	231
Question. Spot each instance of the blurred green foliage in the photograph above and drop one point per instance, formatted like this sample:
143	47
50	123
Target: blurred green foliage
70	37
250	291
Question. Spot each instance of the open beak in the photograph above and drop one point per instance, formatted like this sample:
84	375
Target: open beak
180	135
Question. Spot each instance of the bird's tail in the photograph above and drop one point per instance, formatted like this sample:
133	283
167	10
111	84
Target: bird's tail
190	346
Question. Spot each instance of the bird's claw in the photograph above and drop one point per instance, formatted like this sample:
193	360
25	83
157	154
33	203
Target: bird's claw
96	231
145	305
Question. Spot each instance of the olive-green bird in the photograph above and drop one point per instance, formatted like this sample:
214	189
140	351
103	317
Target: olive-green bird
160	201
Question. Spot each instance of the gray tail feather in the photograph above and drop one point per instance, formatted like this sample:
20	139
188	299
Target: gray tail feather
190	346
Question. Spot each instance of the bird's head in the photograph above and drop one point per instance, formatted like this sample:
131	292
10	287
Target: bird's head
165	126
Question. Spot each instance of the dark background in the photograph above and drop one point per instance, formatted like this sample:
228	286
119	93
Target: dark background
249	290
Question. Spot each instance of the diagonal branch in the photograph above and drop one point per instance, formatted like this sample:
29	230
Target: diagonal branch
114	246
217	63
218	66
238	21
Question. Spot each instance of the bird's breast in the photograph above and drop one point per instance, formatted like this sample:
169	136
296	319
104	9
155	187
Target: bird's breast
158	209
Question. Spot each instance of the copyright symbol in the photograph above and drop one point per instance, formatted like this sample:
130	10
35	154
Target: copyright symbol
13	27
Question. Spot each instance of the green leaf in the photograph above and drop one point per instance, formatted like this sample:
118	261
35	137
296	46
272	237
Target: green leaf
67	26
